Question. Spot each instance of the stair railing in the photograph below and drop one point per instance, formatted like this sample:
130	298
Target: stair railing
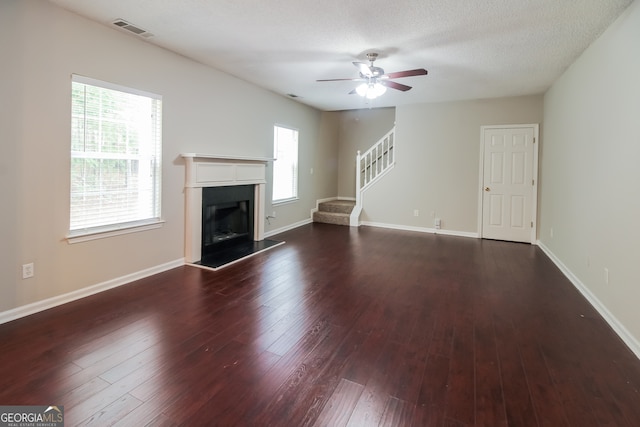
370	167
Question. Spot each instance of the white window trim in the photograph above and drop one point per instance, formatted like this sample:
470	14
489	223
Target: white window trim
79	236
275	157
112	86
285	201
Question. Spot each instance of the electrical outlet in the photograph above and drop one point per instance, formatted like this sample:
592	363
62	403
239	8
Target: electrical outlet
606	276
438	223
416	212
27	270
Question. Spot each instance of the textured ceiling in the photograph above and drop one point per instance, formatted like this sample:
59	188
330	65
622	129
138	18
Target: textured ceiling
471	48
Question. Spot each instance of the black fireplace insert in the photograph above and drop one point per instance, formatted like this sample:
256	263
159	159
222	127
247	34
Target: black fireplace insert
227	217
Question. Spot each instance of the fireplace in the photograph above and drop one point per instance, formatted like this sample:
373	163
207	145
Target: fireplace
225	203
227	216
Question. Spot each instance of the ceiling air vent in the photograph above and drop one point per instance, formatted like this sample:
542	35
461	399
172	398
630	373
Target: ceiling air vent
131	28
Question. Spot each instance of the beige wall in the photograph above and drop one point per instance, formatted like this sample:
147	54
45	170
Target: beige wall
590	168
325	172
437	161
10	167
204	111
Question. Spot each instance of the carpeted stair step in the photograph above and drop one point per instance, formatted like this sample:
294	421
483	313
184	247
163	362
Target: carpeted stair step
331	218
334	212
337	206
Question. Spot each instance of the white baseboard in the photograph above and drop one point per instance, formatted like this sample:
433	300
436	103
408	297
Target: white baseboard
615	324
26	310
422	229
288	227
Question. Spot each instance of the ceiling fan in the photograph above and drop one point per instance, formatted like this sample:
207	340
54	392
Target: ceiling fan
375	81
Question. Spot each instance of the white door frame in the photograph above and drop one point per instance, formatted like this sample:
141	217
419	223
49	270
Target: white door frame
534	202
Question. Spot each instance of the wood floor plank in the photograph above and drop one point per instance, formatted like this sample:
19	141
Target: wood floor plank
300	392
132	338
427	416
176	376
83	392
441	342
98	404
490	402
338	408
519	407
397	413
112	412
544	395
220	368
435	383
460	403
331	374
283	372
370	407
359	368
339	326
148	413
270	329
233	391
403	371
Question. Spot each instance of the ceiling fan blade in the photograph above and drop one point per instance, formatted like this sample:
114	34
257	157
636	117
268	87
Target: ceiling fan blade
408	73
341	80
394	85
363	68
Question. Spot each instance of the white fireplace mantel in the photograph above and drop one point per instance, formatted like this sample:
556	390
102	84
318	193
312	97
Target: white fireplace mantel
208	170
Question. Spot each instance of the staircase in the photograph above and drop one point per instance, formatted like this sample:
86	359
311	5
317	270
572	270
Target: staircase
334	212
370	167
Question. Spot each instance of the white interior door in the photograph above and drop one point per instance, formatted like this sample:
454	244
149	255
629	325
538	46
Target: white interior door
509	190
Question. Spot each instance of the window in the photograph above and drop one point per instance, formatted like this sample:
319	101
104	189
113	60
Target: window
116	146
285	166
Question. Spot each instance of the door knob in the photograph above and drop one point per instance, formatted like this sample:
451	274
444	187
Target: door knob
487	189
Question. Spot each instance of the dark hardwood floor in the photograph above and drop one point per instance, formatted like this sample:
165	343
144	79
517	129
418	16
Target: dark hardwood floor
338	326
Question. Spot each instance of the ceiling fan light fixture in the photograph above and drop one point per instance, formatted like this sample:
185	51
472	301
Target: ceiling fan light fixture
371	90
375	80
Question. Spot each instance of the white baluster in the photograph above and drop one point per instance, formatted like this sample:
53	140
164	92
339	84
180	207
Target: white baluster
358	173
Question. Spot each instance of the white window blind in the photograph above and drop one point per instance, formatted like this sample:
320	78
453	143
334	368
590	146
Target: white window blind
116	146
285	165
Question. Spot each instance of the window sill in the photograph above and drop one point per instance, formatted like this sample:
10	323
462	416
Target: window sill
85	235
284	201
